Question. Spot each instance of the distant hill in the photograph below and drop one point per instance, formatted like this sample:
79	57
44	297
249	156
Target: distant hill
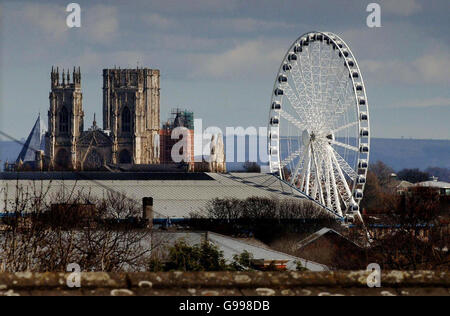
9	151
405	153
411	153
397	153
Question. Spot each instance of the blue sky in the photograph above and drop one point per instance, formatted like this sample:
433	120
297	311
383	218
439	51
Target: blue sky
219	57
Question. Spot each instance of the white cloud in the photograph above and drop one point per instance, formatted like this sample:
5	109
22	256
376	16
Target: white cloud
388	71
430	68
399	38
248	25
181	44
247	60
50	19
400	7
213	24
434	67
101	23
158	21
190	6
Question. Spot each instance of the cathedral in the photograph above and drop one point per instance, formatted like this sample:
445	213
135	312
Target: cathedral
131	121
131	137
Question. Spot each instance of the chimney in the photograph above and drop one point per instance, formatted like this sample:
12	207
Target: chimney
147	203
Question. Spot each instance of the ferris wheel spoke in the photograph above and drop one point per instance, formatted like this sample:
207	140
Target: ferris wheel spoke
341	96
342	107
300	83
346	146
344	127
316	106
344	165
291	157
292	120
306	75
293	99
326	93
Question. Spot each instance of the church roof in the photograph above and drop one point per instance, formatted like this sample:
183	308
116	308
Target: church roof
95	137
34	142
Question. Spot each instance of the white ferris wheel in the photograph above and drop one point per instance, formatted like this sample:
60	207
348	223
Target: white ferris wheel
319	131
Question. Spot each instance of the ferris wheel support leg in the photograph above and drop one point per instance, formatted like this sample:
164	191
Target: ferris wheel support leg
308	175
304	173
344	181
304	170
335	190
328	183
318	185
297	169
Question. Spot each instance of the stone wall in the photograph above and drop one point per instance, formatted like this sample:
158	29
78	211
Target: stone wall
228	284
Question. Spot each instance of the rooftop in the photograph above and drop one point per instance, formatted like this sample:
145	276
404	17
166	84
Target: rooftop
232	246
434	184
175	195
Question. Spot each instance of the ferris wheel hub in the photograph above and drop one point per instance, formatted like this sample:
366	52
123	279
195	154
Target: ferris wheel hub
306	137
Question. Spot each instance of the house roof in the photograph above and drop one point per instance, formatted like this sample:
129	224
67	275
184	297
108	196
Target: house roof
175	195
434	184
397	184
404	184
231	247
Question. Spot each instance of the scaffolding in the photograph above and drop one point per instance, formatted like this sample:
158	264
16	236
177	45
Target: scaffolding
180	118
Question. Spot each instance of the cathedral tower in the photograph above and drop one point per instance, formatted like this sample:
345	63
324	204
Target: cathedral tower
131	114
65	119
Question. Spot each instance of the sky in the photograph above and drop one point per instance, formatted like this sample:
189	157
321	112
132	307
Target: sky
219	58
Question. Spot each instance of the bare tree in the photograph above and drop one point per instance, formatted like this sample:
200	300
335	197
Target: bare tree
414	234
265	218
383	172
98	234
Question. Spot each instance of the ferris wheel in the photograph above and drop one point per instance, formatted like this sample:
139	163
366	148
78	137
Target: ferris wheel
319	130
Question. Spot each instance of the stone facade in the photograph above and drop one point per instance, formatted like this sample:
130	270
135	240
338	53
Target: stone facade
131	112
131	120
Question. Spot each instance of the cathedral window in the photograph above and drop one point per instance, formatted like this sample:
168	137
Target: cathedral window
126	120
64	121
